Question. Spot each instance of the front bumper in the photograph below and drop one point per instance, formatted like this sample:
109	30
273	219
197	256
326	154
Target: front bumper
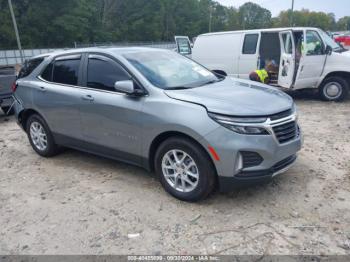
250	178
276	157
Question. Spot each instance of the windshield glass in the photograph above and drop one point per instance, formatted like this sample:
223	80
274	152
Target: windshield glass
329	41
169	70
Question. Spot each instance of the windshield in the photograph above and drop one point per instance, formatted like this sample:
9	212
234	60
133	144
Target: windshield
169	70
329	41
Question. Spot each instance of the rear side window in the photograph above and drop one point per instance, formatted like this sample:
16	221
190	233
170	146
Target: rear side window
250	44
103	72
66	70
29	66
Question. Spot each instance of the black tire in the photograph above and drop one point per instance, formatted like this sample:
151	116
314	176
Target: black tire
339	82
5	109
206	170
51	148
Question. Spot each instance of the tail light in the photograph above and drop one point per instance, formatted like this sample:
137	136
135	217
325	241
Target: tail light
14	87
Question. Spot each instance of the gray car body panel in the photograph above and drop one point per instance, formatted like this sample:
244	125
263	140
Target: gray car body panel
7	78
123	127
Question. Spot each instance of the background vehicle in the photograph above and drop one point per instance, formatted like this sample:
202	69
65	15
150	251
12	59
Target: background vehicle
161	111
7	79
307	58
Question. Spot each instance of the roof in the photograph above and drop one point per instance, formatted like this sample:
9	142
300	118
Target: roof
107	49
260	30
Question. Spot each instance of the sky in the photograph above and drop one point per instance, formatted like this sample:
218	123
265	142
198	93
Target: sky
339	7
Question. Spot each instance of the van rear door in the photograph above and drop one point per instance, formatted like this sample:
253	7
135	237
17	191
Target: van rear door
287	63
183	45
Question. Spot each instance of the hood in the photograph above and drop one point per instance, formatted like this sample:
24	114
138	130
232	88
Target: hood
236	97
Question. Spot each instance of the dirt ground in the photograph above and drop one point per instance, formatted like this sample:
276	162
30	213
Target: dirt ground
78	203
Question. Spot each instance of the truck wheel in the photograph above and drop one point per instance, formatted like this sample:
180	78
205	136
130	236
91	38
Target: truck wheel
184	169
40	136
334	88
5	109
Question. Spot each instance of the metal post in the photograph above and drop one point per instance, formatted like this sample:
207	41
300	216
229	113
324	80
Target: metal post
16	31
292	14
210	17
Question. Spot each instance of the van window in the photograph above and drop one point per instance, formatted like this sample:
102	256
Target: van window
103	72
66	71
314	44
250	43
287	43
29	66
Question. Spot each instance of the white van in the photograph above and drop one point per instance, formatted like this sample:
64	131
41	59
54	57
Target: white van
307	57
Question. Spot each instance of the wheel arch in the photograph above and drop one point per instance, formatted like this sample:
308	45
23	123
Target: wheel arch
343	74
166	135
24	115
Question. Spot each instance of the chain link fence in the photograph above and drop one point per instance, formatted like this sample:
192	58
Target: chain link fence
13	57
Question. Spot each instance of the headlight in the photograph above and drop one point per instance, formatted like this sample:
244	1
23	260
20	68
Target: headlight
241	125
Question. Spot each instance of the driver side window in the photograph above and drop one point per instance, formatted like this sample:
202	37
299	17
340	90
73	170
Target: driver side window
102	73
314	44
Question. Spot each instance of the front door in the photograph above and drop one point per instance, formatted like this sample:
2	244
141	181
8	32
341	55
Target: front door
111	121
287	63
312	60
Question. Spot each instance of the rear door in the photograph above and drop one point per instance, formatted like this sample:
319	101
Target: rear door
287	63
183	45
57	95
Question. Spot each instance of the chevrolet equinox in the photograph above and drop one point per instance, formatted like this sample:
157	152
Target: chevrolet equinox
161	111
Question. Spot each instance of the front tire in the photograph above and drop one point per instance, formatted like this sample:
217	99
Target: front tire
40	136
184	169
334	89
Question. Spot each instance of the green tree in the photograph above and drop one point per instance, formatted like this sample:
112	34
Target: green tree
253	16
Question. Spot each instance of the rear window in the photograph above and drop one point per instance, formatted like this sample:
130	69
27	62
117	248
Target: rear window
29	66
250	43
66	70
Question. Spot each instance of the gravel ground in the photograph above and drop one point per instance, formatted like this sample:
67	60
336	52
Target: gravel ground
78	203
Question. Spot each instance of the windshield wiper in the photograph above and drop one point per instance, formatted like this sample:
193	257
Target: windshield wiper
178	88
212	81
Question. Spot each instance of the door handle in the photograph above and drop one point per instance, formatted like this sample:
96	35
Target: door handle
42	89
87	98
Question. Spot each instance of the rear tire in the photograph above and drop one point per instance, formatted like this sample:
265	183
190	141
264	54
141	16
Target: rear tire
40	136
334	88
5	109
194	167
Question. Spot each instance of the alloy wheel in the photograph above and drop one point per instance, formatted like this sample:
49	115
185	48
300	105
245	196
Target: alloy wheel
180	170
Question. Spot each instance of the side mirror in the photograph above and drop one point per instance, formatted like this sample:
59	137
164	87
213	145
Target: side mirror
329	50
127	87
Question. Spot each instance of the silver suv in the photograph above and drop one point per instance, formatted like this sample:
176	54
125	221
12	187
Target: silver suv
161	111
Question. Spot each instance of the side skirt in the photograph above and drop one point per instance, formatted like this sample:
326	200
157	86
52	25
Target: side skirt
103	151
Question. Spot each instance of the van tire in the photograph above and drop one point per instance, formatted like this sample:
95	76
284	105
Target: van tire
206	171
51	148
330	86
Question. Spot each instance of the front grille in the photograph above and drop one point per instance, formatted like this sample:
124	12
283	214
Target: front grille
284	163
286	132
281	115
251	159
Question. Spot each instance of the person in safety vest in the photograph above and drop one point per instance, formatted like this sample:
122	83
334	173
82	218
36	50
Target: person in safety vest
263	75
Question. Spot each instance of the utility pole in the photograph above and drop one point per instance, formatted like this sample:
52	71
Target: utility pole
292	14
16	30
210	17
